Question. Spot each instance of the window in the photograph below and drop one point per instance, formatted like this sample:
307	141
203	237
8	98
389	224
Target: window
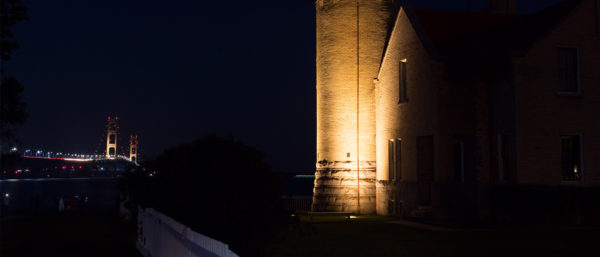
463	161
458	154
425	169
463	158
402	82
112	139
571	157
398	159
425	158
391	164
568	70
503	158
394	159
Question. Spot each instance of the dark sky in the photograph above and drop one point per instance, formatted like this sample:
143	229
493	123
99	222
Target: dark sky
176	70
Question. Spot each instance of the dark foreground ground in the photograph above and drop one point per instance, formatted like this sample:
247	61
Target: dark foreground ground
106	235
380	236
66	235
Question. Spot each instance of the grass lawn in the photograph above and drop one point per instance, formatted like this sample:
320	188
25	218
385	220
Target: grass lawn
375	236
66	235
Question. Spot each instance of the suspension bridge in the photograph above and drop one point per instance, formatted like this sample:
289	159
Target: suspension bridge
105	150
110	157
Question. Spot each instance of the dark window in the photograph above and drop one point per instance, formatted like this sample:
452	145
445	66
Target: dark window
394	157
425	169
568	70
463	161
402	83
458	154
391	159
571	157
398	159
503	158
425	158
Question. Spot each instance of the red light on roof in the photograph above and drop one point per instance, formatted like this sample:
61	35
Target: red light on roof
116	117
16	172
80	167
109	117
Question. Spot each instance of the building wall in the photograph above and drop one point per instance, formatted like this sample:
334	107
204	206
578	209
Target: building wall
523	105
416	117
449	109
502	113
345	106
542	115
463	119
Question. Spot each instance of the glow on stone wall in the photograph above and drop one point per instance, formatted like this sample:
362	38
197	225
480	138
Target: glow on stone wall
350	39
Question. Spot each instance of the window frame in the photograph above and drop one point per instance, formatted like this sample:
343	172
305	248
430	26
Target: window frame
398	159
402	82
502	155
430	155
395	159
462	160
391	160
577	72
581	159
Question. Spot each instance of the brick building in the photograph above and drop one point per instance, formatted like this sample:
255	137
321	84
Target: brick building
469	107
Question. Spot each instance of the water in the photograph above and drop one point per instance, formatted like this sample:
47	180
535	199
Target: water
41	194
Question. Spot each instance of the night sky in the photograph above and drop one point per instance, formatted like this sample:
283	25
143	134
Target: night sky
176	70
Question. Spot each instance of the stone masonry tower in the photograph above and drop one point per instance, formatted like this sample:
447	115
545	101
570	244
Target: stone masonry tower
133	148
351	35
112	129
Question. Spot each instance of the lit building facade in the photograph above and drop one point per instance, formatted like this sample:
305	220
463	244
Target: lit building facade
428	113
350	39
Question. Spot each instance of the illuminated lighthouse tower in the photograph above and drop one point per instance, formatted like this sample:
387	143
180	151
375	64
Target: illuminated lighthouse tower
112	129
350	39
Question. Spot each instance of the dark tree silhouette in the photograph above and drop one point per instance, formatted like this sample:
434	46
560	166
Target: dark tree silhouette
11	12
219	187
12	108
12	111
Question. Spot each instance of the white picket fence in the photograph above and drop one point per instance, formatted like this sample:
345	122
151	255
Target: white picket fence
161	236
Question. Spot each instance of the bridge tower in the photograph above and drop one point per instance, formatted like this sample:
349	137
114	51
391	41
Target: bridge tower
133	148
112	130
351	35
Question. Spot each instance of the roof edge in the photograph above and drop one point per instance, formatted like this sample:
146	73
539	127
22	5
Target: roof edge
419	30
